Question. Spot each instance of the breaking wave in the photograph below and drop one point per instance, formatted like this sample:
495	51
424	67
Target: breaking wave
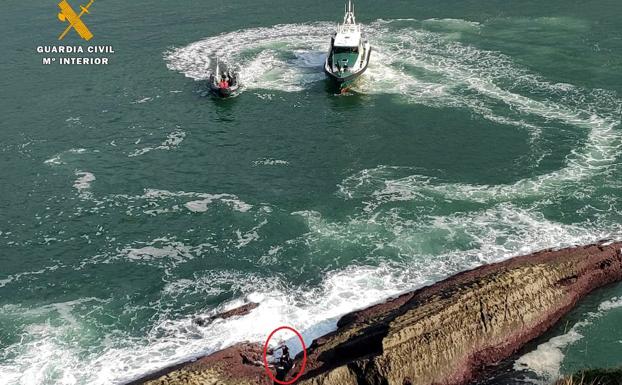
57	331
396	246
546	360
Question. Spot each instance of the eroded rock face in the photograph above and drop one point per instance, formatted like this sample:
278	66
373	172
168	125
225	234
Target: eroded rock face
441	334
240	364
448	332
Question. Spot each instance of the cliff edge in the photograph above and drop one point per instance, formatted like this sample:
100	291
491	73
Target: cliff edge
446	333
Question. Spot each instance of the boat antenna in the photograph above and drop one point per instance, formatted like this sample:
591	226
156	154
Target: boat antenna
349	17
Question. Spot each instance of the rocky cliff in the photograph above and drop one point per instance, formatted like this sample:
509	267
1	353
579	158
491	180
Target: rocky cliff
237	365
446	333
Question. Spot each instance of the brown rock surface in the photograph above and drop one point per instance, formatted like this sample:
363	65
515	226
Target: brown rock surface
238	311
446	333
237	365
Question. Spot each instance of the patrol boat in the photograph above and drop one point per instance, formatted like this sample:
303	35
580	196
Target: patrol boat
223	84
349	53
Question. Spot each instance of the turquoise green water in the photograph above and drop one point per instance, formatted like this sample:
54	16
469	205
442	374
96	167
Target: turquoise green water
131	201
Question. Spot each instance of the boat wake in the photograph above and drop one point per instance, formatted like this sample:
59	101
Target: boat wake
433	69
284	57
402	229
419	64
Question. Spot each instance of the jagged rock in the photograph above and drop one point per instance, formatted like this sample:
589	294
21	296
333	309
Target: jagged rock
449	332
240	364
446	333
238	311
594	377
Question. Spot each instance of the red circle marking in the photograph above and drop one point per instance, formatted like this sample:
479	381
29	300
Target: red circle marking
304	356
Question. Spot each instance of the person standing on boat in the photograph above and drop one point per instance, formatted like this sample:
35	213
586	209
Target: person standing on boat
223	82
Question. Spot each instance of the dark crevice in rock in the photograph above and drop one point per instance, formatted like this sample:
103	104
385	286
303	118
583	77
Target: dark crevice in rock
367	344
482	315
605	264
568	280
367	374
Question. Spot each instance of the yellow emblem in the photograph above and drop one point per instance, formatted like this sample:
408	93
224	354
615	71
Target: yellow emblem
68	14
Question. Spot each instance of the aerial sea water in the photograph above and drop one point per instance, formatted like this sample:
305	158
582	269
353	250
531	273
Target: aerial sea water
132	202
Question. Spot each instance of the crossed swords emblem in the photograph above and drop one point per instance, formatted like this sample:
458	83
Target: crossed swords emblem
69	15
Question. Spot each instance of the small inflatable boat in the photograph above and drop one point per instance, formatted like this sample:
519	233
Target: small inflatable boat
223	84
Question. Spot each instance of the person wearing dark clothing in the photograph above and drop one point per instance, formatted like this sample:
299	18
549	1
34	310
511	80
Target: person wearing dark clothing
285	353
283	368
284	363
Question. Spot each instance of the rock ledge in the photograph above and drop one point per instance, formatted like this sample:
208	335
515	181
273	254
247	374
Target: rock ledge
446	333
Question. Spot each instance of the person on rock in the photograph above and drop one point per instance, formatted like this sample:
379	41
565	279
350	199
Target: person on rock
284	363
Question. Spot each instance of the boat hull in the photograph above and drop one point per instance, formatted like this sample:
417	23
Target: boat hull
345	80
222	92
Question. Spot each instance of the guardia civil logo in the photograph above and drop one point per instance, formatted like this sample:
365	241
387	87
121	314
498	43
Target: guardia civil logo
75	54
68	15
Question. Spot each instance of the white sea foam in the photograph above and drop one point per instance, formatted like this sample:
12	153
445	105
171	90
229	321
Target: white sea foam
60	157
83	183
546	360
448	23
283	57
597	157
172	141
156	201
449	243
47	346
174	340
176	251
249	236
16	277
270	162
611	304
143	100
54	160
46	358
199	206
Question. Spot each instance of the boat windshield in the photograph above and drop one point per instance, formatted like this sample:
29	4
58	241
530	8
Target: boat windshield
338	50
